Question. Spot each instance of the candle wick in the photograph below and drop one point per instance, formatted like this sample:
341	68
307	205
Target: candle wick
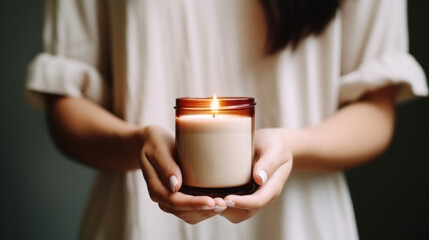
214	115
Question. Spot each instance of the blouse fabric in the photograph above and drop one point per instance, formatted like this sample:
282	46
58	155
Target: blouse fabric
135	57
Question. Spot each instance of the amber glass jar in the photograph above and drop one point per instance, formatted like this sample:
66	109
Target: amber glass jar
214	145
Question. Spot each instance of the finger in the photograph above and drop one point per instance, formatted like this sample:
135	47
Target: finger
264	195
166	168
184	202
179	201
269	160
220	205
156	188
159	152
191	217
236	215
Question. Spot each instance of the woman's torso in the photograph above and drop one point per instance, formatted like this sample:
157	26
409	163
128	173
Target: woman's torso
170	49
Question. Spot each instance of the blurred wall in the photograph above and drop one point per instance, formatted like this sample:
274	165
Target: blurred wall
43	193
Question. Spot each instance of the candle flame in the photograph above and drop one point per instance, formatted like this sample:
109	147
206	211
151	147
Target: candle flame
214	105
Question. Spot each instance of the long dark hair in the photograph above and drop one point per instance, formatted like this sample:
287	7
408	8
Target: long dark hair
289	21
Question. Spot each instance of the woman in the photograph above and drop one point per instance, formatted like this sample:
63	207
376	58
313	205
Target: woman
325	76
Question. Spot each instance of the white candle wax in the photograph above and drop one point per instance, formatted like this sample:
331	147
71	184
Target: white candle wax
215	152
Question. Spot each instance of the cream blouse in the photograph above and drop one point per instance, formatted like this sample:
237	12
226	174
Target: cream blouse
136	57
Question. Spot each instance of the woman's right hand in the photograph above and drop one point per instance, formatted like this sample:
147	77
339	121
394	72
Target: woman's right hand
164	179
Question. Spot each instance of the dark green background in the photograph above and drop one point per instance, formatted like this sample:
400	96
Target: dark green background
42	194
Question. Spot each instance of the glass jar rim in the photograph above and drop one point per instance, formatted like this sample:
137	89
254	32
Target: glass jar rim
225	103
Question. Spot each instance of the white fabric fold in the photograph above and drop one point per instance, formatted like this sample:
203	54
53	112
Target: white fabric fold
64	76
400	70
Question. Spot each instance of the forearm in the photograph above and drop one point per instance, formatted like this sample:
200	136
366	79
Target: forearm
90	134
355	134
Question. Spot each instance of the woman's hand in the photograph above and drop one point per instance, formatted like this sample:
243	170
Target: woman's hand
272	168
164	179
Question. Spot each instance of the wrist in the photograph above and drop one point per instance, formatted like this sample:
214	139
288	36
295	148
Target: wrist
133	138
138	139
299	142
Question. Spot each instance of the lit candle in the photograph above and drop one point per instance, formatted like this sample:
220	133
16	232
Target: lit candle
214	143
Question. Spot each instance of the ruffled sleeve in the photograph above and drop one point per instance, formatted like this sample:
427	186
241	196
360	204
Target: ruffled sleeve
75	59
375	51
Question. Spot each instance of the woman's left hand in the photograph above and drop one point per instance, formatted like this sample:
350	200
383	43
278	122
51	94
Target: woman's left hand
271	170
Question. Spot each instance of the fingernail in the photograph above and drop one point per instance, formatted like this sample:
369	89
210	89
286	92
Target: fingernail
230	203
207	208
173	183
263	175
219	208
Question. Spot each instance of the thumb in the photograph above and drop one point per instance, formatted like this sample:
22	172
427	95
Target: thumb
269	160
